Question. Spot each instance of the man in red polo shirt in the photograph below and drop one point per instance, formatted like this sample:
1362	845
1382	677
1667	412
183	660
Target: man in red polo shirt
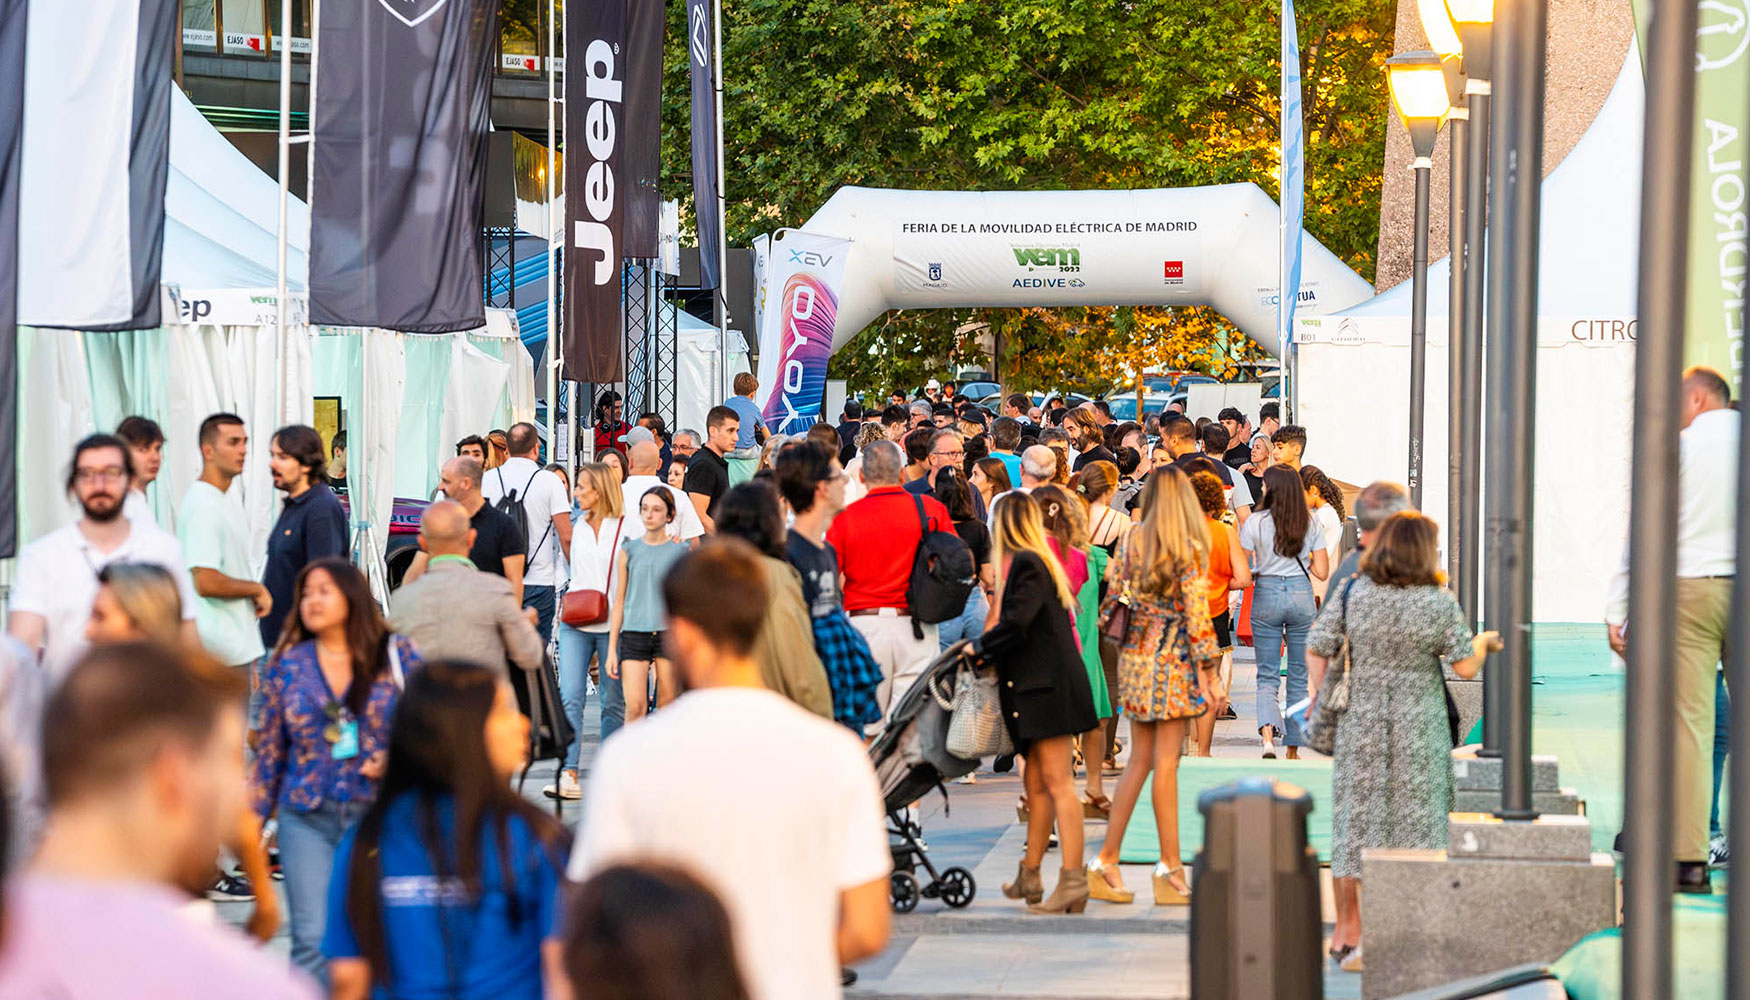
876	539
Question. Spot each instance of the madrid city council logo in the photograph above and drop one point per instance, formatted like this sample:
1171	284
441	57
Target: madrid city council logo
412	12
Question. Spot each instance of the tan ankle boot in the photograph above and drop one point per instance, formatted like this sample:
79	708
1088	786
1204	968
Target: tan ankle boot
1027	885
1070	896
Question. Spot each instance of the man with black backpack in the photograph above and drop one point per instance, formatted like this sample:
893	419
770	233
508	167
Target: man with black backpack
536	501
902	566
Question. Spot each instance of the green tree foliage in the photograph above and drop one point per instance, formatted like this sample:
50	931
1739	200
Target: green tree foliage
1031	95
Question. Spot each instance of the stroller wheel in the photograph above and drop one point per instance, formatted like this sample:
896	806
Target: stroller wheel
902	892
956	887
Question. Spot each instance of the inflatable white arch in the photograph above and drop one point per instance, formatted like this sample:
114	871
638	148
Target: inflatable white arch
1213	246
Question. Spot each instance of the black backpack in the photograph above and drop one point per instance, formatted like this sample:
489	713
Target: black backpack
942	574
511	506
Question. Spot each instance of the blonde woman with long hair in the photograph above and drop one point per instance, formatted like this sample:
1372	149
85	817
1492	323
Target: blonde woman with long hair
1044	694
1167	661
136	601
595	538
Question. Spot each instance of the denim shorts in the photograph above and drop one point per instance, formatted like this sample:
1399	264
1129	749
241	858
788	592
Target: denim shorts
640	645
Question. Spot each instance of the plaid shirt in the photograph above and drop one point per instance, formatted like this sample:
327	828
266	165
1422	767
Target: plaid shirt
851	670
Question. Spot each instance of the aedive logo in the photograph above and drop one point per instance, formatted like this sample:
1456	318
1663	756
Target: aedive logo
412	12
602	88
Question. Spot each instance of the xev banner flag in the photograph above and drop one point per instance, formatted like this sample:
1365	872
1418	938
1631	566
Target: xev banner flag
1293	202
12	28
796	330
702	54
399	174
596	184
1717	198
95	161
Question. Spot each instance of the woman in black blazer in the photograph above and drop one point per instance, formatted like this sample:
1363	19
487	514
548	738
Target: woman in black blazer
1044	692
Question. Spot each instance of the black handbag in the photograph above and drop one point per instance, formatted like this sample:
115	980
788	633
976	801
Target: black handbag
537	695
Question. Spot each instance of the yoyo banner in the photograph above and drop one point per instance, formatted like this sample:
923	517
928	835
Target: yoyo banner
701	53
806	272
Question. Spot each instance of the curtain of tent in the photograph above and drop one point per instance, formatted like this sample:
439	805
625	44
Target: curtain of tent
130	376
473	394
54	412
419	446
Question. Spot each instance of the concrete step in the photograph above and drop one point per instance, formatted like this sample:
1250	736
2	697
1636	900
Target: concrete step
1563	802
1473	773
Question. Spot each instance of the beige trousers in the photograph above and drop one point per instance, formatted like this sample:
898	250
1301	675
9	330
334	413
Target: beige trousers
1703	618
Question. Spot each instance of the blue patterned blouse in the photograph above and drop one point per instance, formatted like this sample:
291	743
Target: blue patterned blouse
294	765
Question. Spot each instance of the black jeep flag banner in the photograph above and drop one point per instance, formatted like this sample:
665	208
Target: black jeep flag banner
642	140
613	71
12	15
701	52
94	161
402	111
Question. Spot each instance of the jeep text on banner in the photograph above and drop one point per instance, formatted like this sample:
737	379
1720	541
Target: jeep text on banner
701	53
596	185
806	273
95	162
12	28
399	172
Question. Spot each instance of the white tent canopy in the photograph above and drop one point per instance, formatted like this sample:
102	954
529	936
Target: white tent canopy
1354	369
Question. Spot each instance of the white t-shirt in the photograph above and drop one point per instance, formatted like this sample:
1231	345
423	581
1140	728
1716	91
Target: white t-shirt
136	509
686	525
543	497
1258	536
57	579
214	531
592	557
695	785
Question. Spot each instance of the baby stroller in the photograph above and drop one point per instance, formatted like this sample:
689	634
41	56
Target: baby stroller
911	759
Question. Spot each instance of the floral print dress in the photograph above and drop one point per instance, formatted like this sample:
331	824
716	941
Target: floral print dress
1391	776
1168	641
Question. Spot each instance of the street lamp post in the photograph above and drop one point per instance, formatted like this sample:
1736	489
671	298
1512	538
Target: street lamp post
1418	88
1443	39
1473	22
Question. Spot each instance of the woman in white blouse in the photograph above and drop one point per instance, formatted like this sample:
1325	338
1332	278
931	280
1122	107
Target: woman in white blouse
595	537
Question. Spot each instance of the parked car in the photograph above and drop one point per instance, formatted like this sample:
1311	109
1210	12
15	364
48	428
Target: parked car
1124	407
981	390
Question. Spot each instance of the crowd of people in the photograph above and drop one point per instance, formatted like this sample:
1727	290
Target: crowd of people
187	716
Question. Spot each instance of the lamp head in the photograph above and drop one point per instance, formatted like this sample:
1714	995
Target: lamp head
1473	21
1418	89
1437	25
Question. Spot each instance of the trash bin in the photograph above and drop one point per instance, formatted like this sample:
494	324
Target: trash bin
1255	918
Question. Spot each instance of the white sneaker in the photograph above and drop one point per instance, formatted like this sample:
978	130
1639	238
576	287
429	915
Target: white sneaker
567	789
1718	854
968	778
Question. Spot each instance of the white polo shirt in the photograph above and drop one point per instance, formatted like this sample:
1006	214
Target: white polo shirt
57	579
686	525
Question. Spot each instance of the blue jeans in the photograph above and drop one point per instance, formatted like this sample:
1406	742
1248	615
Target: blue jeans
541	599
1722	747
307	844
576	649
1282	611
970	624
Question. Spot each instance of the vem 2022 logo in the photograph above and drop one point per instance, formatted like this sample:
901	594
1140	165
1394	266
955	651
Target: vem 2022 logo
1065	259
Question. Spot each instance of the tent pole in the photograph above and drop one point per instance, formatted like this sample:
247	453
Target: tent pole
721	298
285	183
555	348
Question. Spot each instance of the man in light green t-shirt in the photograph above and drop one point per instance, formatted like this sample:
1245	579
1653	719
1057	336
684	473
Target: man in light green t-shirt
214	532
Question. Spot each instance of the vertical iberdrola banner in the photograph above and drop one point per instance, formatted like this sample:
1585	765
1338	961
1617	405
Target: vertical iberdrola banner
806	273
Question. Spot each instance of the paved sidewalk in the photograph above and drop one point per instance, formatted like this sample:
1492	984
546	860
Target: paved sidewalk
995	948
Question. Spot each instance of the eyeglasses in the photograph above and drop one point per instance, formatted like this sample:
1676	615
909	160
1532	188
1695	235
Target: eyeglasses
956	453
112	474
